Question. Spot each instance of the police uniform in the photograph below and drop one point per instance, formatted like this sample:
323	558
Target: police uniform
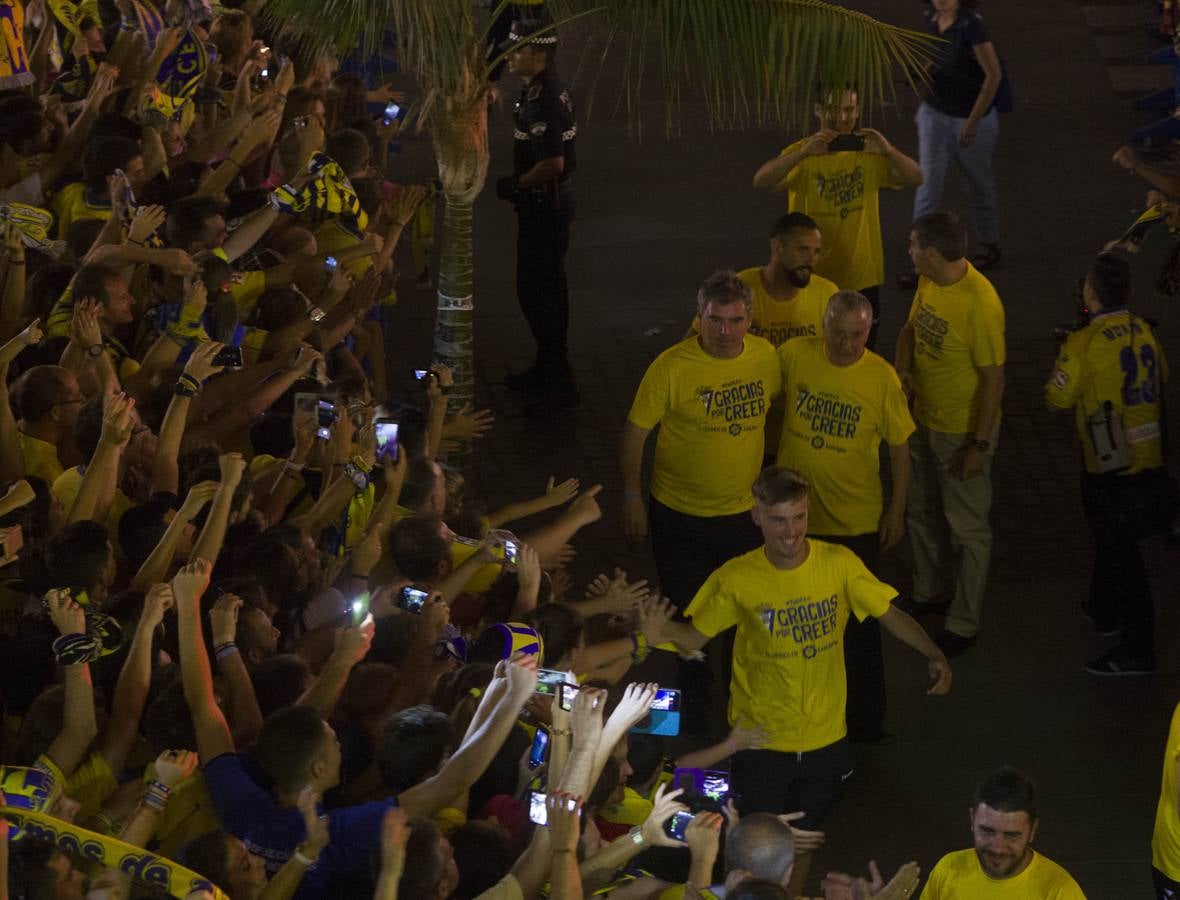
1111	372
544	128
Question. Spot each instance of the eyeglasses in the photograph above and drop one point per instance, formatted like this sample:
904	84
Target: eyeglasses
68	402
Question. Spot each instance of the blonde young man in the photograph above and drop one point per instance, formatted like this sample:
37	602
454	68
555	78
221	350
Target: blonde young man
950	356
842	400
835	176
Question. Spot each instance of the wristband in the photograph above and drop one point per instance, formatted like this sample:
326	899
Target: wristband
190	380
75	649
180	389
642	649
303	860
225	651
564	732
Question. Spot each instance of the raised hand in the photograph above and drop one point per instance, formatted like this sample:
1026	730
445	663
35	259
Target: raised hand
158	601
804	840
32	333
200	364
666	805
190	583
65	613
147	221
174	766
223	618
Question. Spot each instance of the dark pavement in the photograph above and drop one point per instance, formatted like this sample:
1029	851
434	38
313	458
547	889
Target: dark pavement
655	217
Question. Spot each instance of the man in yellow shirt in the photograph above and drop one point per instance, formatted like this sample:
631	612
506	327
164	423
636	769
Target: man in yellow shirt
1002	864
790	601
709	394
1165	837
1111	372
835	176
48	400
950	357
842	400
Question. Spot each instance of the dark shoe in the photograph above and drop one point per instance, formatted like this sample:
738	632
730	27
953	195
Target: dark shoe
526	382
953	644
1119	662
907	280
878	739
987	258
1103	629
915	608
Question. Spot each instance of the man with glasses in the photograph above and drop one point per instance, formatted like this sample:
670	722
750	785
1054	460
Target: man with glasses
47	399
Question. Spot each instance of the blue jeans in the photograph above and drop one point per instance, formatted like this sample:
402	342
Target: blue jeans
938	146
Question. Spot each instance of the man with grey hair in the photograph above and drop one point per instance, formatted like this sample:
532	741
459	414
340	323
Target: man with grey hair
709	394
842	400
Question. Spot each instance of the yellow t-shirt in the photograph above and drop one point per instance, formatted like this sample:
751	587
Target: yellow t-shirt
71	205
1107	361
836	417
90	785
788	656
957	876
781	320
189	814
632	810
711	414
65	488
957	329
839	191
1165	837
40	458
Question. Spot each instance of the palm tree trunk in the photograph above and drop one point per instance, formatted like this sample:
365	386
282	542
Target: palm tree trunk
454	324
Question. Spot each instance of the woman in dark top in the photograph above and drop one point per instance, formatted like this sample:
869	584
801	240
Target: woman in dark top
957	121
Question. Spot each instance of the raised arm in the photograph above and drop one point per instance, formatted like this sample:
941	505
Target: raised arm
155	568
102	473
770	175
244	714
79	726
166	466
351	646
208	545
213	734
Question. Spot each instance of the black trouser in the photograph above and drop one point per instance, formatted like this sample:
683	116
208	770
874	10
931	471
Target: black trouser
687	550
776	782
543	237
1165	887
1119	589
874	296
863	659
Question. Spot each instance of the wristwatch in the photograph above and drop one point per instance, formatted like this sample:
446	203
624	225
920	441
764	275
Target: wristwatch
358	477
315	313
94	350
981	445
636	834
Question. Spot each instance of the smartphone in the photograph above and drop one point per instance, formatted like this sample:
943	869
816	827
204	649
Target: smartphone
360	609
566	693
675	826
386	439
549	682
412	599
265	73
664	718
846	142
540	745
538	814
326	417
392	111
330	264
229	357
423	374
716	785
510	551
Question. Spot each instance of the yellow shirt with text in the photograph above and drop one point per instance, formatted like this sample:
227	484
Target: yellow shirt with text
1116	358
788	655
711	414
836	417
1165	837
840	191
957	329
780	320
957	876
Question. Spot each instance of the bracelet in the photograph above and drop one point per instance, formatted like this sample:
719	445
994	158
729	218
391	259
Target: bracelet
642	649
303	860
225	651
561	732
180	389
190	380
157	795
75	649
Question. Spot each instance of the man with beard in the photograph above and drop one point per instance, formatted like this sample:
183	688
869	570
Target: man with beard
1003	862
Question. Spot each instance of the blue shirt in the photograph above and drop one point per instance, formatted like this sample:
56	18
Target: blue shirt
273	831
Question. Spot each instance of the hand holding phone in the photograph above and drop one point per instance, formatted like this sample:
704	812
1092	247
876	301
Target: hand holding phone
412	599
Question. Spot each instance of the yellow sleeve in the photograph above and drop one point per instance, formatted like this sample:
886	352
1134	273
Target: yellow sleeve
1065	384
90	785
712	610
987	335
651	400
898	422
867	596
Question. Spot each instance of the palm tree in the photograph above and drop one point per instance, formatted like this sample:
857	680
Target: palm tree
753	61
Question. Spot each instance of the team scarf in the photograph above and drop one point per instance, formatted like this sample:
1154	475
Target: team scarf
110	853
33	224
28	788
150	22
329	195
69	14
14	61
180	75
74	83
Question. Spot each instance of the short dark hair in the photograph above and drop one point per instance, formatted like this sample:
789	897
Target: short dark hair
418	485
91	281
141	527
560	628
780	484
417	547
208	855
279	681
944	232
1110	279
423	877
412	745
483	856
349	148
77	555
186	220
723	287
792	221
762	845
38	390
102	156
1008	790
288	742
29	874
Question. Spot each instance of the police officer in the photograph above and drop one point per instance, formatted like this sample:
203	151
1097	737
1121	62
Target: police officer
542	193
1111	372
